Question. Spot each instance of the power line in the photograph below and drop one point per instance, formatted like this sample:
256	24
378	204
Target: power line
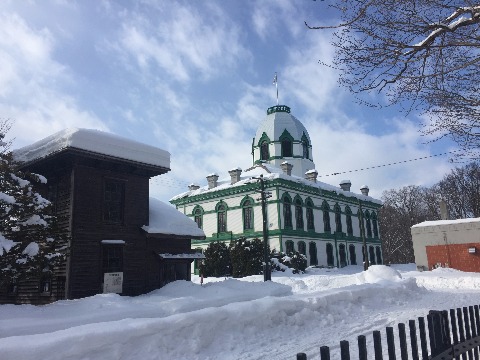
390	164
172	182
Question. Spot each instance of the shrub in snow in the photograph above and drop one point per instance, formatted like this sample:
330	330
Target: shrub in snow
217	260
30	239
246	257
293	260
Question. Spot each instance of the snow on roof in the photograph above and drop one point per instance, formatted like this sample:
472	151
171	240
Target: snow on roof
271	172
194	256
94	141
446	222
275	123
165	219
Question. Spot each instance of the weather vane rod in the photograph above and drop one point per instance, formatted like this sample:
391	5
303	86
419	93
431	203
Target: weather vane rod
276	84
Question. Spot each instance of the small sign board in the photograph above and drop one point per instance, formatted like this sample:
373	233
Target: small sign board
113	282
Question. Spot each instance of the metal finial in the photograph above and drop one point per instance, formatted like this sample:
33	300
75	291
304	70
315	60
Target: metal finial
275	82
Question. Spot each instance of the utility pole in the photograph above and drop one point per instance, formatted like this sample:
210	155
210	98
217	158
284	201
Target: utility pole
264	195
366	264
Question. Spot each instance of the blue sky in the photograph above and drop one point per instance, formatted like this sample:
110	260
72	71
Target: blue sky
195	78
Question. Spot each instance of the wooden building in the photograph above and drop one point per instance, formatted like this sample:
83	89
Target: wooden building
121	240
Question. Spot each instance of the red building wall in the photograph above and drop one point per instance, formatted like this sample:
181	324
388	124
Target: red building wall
455	256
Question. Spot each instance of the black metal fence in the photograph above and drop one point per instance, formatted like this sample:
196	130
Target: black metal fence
453	334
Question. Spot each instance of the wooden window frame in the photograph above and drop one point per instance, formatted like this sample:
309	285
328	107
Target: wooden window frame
114	201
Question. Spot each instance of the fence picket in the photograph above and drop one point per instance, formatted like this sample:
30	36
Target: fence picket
403	341
344	350
453	325
468	334
377	345
423	338
324	353
473	329
413	339
390	343
362	348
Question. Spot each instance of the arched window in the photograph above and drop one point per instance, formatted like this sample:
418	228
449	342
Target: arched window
305	146
247	215
312	250
338	218
286	148
368	223
287	212
375	225
379	255
299	214
330	260
305	149
198	216
348	214
371	250
326	217
302	248
353	255
343	255
286	141
264	155
289	248
310	223
221	218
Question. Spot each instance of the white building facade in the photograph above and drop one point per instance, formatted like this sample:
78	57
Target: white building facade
319	220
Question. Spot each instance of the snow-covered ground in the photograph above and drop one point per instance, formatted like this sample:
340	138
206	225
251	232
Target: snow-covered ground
234	319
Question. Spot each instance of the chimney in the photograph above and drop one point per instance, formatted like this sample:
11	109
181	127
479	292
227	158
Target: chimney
287	168
364	189
212	180
193	187
311	175
235	175
443	210
346	185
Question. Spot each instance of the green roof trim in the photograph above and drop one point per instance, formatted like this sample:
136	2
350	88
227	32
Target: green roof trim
278	108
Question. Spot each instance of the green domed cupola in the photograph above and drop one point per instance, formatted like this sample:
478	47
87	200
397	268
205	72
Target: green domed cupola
282	137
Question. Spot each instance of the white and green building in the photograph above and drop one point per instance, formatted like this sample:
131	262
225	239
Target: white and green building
319	220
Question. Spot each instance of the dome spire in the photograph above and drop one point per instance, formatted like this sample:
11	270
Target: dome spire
275	82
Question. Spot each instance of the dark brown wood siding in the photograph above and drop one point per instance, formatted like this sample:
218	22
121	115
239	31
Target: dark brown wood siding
89	229
161	245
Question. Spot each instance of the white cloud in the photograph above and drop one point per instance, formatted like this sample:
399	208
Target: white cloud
182	41
31	84
338	151
271	18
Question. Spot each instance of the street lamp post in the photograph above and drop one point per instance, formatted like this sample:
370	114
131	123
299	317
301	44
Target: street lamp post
264	195
362	234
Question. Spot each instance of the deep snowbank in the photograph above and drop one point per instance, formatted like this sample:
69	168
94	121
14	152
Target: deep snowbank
227	319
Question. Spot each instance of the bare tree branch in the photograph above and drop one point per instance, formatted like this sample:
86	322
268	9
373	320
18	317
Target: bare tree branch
422	54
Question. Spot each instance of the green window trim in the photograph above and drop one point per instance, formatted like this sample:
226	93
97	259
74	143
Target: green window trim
298	203
287	211
286	141
247	205
221	210
326	217
198	215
